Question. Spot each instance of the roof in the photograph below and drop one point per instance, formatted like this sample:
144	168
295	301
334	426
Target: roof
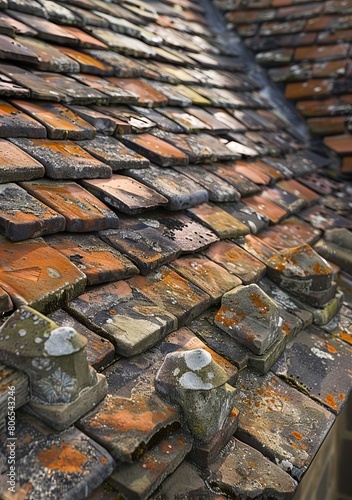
175	249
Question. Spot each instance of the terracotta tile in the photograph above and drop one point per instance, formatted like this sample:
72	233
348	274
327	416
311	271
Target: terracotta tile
318	23
188	122
207	275
318	183
297	40
16	26
228	174
341	144
252	172
259	398
123	67
298	11
189	235
126	317
216	125
266	207
28	219
83	212
218	189
299	190
164	123
323	218
346	165
59	121
16	50
147	96
113	153
170	92
39	89
125	194
222	223
287	201
253	16
102	122
237	261
327	53
84	39
180	191
126	45
327	125
46	29
49	58
315	88
87	63
228	120
100	352
14	123
256	247
195	94
27	277
98	261
115	94
16	165
289	233
64	159
282	27
338	36
144	245
173	293
132	119
293	73
254	220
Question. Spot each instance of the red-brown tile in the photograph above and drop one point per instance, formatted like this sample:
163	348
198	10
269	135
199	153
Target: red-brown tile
329	69
312	88
228	173
37	275
84	39
83	211
326	53
294	187
87	63
16	165
331	125
326	107
115	94
256	247
100	262
337	37
252	172
215	218
237	261
266	207
103	123
22	216
147	96
14	123
292	232
341	144
16	51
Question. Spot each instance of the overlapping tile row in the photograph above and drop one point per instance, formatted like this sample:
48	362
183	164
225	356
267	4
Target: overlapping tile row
147	185
307	48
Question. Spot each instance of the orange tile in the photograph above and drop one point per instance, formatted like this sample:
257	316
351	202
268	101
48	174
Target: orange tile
16	165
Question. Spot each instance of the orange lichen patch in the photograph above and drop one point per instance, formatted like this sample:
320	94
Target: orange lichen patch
112	311
229	317
341	397
330	400
124	420
103	460
64	457
330	348
345	336
251	464
303	447
297	435
259	303
286	329
295	445
319	269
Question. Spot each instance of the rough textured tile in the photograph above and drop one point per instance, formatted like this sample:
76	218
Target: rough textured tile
169	91
319	365
8	88
125	316
147	95
177	295
28	219
189	123
323	218
156	150
140	479
162	121
207	275
5	302
122	66
237	261
222	223
254	220
115	154
16	165
124	44
59	121
189	235
256	247
100	352
242	471
115	94
218	189
228	174
137	122
87	63
340	325
64	159
125	194
181	191
99	262
85	40
14	123
287	201
274	213
27	277
294	187
197	151
83	211
284	424
289	233
103	123
68	464
15	50
143	245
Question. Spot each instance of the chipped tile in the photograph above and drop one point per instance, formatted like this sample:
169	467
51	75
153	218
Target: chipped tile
161	121
83	212
237	261
125	194
25	275
254	220
274	213
103	123
16	165
188	122
14	123
64	159
87	63
218	220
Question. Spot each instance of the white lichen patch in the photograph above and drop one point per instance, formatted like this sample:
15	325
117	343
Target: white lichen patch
59	343
190	380
22	332
321	354
197	359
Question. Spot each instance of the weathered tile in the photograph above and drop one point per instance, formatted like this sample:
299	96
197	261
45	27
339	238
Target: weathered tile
66	464
160	120
228	120
114	93
8	88
218	189
245	472
14	123
56	12
83	212
15	26
284	424
207	275
124	44
312	88
100	352
228	174
125	194
59	121
254	220
340	325
181	191
156	150
218	220
140	479
323	369
143	245
16	165
64	159
87	63
274	213
189	235
5	302
294	187
326	53
27	219
147	95
288	201
136	121
289	233
17	51
256	247
173	293
336	247
324	218
130	320
115	154
169	91
122	66
320	184
103	123
252	172
85	40
237	261
188	122
27	277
